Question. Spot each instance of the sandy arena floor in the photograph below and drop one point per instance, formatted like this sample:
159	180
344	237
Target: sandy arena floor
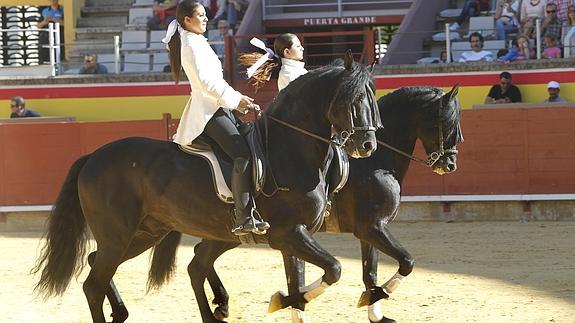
465	272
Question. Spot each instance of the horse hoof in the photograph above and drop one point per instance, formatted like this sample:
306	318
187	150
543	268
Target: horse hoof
384	320
221	313
120	316
276	302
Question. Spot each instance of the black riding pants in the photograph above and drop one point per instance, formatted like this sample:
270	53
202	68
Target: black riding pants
223	129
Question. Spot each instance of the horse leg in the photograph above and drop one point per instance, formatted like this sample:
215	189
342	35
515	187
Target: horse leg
379	237
97	283
201	267
295	274
301	244
119	311
373	293
139	244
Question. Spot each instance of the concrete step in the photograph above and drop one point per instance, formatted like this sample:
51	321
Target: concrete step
103	45
107	21
103	3
98	32
106	11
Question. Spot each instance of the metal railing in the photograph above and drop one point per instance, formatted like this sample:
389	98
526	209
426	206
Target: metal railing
53	46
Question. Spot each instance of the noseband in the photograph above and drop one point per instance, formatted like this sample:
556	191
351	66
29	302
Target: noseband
434	156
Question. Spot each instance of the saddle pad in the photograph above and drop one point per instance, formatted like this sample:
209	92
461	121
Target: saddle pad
223	191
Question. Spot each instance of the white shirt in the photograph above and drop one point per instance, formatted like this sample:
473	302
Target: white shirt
472	56
291	70
209	89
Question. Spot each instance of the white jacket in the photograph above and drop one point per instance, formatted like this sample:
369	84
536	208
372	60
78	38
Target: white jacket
209	89
291	70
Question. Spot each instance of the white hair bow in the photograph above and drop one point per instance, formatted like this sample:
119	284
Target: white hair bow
267	56
172	28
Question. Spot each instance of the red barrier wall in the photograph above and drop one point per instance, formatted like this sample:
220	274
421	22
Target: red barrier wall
35	157
506	151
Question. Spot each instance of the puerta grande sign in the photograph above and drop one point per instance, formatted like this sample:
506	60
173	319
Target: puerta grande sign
330	21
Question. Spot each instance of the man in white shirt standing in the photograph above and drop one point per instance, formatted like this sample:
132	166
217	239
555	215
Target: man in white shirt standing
476	54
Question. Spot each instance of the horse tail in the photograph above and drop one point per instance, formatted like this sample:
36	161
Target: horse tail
163	264
65	245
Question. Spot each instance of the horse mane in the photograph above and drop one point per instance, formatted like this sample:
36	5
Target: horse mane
351	84
426	97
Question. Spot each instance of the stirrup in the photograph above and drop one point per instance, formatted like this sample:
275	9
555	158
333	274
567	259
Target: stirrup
252	225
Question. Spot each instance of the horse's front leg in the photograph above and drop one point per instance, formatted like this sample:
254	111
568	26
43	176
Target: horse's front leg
295	276
373	293
378	236
299	243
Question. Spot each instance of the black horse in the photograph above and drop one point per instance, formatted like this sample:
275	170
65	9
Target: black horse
133	192
371	198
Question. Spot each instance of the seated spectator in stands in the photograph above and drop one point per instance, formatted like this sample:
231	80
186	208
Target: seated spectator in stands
443	57
553	89
531	10
520	50
551	24
19	110
164	13
91	65
571	15
51	14
551	49
506	17
504	92
562	9
231	10
471	8
476	54
217	41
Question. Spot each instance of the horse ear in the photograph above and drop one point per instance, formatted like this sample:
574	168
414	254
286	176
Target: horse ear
348	60
453	92
372	67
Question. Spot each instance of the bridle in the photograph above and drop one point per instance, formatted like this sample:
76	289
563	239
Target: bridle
434	156
338	138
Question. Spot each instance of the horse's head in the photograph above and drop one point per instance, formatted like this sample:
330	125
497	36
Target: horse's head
353	110
442	133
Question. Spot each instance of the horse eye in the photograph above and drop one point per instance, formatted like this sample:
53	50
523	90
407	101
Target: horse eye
360	97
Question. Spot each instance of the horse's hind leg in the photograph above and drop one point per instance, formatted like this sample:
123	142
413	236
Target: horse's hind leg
97	283
139	244
201	267
119	311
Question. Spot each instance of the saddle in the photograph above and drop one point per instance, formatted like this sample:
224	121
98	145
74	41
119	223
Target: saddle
221	165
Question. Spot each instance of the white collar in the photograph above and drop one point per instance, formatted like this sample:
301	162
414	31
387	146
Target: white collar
292	63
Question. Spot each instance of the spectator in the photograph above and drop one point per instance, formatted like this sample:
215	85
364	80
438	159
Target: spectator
551	24
553	90
531	10
506	17
477	54
471	8
217	41
571	15
91	65
443	57
504	92
18	108
520	50
551	49
562	9
164	13
52	14
231	10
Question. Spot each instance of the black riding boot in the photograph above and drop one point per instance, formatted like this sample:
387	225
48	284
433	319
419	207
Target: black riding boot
247	219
